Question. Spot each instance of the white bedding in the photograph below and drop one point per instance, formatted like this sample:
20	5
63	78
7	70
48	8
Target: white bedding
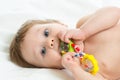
14	12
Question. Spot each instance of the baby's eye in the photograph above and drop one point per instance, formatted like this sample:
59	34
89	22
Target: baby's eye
43	51
46	32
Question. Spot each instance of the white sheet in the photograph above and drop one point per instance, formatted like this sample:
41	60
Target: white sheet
14	12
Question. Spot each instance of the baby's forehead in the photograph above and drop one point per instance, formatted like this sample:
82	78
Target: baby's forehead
48	25
40	27
37	27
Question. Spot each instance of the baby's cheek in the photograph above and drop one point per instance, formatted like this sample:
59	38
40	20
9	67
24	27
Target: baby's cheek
57	57
58	60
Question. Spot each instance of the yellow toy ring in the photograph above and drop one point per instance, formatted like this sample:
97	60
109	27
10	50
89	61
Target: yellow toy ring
90	58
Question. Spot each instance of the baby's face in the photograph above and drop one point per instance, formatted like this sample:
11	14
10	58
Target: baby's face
41	45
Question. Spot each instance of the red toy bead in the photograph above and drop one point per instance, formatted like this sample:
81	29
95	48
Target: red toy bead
77	49
73	45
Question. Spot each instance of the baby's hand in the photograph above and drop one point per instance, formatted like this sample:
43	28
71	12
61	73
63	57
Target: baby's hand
70	62
74	34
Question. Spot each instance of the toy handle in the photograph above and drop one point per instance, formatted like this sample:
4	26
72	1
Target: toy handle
90	64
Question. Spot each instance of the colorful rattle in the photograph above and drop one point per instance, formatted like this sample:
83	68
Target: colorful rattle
89	63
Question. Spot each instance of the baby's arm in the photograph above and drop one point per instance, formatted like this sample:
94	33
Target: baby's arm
102	19
80	74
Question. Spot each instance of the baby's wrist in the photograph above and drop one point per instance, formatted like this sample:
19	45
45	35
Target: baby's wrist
76	69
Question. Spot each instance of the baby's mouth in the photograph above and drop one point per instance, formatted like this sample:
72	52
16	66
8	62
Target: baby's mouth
63	47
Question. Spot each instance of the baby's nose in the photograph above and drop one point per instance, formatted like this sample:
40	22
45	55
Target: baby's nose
51	43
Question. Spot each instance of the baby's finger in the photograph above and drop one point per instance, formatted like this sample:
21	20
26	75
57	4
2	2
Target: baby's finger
61	35
66	59
68	56
69	61
76	59
68	36
72	55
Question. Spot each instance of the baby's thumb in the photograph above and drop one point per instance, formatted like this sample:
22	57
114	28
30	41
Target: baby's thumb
67	38
62	37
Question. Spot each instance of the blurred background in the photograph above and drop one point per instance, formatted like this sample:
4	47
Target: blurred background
67	11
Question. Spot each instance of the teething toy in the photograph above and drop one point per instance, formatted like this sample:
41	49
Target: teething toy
89	63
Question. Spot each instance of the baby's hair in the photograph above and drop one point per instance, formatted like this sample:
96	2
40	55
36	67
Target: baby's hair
15	47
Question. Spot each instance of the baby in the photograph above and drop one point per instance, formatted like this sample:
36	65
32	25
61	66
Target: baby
37	44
